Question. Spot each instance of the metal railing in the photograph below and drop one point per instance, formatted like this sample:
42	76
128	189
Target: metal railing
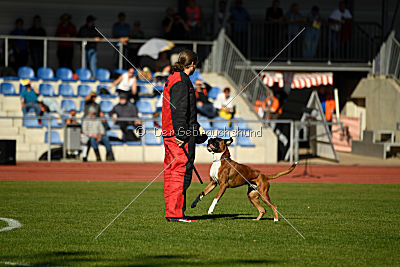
193	44
260	40
225	58
387	62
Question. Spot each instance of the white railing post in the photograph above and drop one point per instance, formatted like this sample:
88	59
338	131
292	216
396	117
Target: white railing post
45	53
6	52
83	54
48	139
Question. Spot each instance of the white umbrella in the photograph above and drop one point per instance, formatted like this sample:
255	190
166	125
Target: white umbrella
154	46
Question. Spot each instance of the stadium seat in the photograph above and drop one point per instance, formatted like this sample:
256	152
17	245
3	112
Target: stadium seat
55	138
241	124
84	90
46	74
221	124
111	123
68	104
196	75
81	106
114	134
53	122
214	92
158	89
105	95
8	89
244	140
151	139
66	90
144	107
106	106
142	89
203	121
26	73
119	71
103	75
46	89
148	124
84	75
31	123
65	75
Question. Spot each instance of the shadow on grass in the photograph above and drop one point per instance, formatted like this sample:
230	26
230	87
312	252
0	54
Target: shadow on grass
214	216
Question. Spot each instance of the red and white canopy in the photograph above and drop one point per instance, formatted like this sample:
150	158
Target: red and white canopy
270	78
307	80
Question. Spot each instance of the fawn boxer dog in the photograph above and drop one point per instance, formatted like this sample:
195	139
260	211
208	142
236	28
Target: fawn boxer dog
228	173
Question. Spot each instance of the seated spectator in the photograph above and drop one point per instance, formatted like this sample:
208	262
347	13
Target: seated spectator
52	105
72	117
19	47
90	101
145	74
174	26
126	109
193	19
163	64
127	84
223	104
94	133
203	105
29	98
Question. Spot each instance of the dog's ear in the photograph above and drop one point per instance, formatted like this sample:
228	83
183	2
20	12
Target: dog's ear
229	141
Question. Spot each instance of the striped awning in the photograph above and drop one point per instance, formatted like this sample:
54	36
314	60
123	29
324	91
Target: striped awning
307	80
270	78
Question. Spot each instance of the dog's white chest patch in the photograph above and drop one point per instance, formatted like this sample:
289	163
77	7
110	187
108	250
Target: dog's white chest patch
215	166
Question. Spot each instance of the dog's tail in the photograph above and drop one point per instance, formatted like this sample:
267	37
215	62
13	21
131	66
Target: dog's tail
279	174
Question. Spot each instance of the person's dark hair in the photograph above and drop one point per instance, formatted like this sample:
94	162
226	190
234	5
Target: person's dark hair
186	57
19	20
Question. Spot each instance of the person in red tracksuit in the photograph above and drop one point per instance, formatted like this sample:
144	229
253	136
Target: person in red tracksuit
179	129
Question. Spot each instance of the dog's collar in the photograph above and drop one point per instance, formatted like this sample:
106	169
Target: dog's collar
221	159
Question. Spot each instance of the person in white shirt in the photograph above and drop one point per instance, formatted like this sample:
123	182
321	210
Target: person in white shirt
338	19
223	104
127	84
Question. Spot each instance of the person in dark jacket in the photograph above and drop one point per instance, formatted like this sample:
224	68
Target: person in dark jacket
88	30
36	46
126	109
181	131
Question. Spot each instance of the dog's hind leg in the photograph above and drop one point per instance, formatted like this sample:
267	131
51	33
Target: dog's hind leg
253	197
210	187
265	197
221	191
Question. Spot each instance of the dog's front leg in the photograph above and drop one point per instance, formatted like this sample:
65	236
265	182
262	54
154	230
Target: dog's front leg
221	191
208	189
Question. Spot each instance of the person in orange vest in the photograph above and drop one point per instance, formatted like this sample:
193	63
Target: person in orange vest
271	103
327	102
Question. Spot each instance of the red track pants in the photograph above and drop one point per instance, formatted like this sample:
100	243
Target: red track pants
177	176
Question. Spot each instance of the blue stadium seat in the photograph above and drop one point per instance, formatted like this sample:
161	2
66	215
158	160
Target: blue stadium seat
46	89
142	89
106	106
46	74
53	122
114	134
244	140
144	107
66	90
55	138
8	89
65	74
26	73
151	139
105	95
221	124
240	124
68	104
214	92
84	90
31	123
196	75
119	71
103	75
203	121
158	88
111	123
84	75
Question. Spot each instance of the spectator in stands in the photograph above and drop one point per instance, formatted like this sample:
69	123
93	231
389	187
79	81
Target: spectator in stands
52	105
29	98
19	47
163	64
193	19
65	51
94	132
127	84
72	117
90	101
270	106
223	104
36	46
340	26
221	18
327	102
137	33
88	30
294	19
311	36
126	109
239	18
174	26
203	105
121	30
274	17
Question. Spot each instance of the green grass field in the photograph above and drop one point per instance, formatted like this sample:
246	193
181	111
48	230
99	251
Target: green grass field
344	224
